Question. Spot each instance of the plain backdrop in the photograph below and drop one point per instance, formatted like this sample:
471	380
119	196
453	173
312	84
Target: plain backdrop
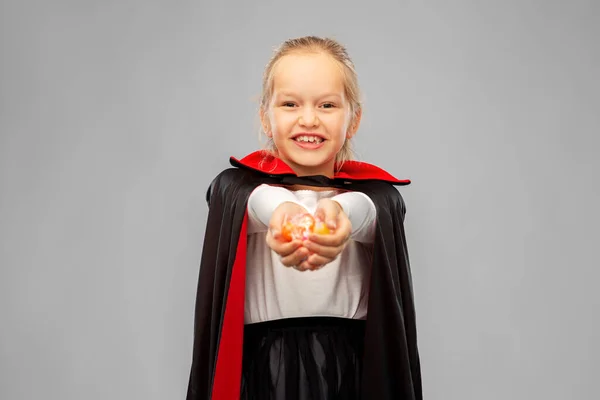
116	115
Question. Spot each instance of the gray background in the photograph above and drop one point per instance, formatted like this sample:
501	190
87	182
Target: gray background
115	116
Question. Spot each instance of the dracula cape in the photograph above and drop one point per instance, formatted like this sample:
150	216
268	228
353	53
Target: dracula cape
391	366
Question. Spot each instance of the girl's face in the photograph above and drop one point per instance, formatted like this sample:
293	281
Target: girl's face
308	116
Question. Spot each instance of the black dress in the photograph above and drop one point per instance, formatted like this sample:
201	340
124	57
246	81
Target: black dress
309	358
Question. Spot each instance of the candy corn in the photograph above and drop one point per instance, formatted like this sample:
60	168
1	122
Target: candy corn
301	225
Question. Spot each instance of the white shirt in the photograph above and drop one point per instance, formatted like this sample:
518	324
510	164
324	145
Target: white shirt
339	289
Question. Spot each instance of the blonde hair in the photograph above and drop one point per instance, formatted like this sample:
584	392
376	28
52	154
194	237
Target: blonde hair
314	44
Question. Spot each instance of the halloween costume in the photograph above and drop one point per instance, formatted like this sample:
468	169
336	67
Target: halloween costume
385	342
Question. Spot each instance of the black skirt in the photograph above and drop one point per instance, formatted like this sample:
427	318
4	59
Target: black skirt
312	358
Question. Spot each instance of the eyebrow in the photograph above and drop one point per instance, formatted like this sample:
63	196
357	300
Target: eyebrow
292	94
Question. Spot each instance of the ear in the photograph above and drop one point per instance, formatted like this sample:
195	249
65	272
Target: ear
354	124
264	120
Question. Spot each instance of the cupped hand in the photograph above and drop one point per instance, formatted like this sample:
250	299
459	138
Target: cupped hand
292	253
324	248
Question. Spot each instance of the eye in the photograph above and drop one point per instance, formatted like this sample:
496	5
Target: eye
288	104
328	105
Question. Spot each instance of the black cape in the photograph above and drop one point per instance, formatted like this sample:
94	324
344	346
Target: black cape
391	359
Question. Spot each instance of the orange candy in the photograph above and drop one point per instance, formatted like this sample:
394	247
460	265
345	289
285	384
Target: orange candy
301	225
321	228
287	230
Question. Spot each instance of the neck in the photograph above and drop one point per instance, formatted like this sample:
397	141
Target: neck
313	188
303	170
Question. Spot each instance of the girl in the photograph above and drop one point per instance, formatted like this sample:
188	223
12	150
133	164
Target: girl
327	316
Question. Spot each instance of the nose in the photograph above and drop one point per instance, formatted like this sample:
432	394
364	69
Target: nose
308	118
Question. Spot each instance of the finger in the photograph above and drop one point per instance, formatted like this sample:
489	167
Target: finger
295	258
328	211
313	266
302	267
341	233
277	221
319	260
306	266
314	262
329	252
280	247
287	249
337	238
324	212
278	236
331	240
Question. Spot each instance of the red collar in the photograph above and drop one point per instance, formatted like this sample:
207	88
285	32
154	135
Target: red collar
264	162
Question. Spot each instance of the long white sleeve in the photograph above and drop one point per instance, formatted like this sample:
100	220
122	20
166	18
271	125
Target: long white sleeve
262	202
361	212
358	207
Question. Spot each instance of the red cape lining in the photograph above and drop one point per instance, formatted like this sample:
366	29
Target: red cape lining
228	369
351	170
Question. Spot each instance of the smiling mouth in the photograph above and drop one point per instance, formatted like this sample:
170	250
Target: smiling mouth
309	139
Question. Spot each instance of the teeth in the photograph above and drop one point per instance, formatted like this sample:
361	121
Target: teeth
309	139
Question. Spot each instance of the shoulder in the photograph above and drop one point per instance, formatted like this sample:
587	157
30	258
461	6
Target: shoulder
231	175
232	180
383	194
